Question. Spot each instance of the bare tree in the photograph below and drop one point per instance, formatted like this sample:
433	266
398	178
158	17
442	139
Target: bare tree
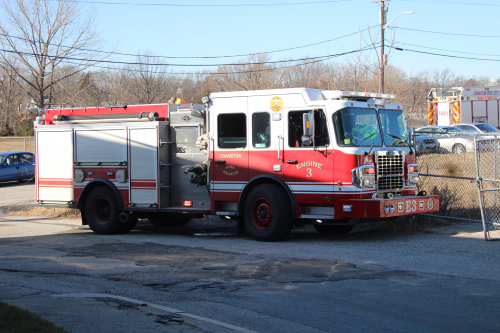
12	98
43	35
148	81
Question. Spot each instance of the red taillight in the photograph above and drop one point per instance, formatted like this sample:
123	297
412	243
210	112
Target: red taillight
188	203
412	169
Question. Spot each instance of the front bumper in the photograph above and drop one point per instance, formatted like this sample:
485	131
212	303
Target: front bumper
384	208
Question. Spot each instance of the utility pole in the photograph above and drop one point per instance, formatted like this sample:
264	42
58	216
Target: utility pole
382	40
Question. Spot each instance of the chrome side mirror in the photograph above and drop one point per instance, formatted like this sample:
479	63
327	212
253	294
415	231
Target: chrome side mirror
308	124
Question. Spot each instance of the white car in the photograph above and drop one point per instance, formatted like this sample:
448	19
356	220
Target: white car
451	139
477	128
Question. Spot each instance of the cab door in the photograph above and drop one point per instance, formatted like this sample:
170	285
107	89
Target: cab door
265	154
308	167
230	160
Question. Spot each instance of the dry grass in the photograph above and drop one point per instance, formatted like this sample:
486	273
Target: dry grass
457	197
17	144
62	213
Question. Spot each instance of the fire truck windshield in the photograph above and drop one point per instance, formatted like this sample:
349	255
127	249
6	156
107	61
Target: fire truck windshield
357	128
364	128
394	127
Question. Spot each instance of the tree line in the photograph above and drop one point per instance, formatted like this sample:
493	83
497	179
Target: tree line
49	60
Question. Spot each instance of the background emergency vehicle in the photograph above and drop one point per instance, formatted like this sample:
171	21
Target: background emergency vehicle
449	106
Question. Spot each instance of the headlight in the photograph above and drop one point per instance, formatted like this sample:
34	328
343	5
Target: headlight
363	176
412	174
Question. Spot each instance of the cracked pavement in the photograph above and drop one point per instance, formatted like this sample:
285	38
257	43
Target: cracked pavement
443	281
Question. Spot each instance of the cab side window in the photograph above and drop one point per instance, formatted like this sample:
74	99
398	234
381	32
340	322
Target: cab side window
232	130
295	131
261	133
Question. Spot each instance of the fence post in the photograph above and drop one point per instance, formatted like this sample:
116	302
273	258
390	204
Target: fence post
24	144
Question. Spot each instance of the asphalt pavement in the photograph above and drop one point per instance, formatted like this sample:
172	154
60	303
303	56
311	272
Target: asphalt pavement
203	277
15	193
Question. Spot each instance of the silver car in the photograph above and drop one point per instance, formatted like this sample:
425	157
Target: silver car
450	139
478	128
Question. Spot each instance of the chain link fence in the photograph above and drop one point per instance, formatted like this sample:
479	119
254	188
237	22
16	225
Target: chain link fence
464	171
17	144
488	172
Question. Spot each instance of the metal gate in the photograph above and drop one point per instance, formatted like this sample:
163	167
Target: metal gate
488	183
467	179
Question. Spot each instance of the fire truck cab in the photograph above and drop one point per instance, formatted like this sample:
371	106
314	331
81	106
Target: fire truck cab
270	159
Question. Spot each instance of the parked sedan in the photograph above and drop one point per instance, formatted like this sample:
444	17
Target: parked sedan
477	128
16	165
451	139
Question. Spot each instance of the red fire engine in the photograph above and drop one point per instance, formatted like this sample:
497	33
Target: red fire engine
270	159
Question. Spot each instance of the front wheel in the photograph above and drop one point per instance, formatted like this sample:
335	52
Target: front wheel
102	210
268	213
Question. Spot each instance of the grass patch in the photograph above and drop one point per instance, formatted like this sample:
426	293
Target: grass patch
12	143
17	320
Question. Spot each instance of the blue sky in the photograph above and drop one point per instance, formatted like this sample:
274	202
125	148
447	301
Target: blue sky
187	31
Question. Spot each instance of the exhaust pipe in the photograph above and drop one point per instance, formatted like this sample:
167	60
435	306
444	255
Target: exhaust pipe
123	217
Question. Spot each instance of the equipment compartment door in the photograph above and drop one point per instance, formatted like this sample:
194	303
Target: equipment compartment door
54	166
143	169
308	169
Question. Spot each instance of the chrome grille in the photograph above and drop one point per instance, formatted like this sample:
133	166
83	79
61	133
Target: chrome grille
390	171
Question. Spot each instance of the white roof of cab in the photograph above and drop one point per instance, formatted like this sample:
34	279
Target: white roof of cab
311	94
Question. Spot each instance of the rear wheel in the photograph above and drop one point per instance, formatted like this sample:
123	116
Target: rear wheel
101	211
169	220
268	213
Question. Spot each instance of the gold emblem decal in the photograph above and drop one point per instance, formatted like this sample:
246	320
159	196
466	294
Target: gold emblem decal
276	104
309	164
328	199
229	173
430	204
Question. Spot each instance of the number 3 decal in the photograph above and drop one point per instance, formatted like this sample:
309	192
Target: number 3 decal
309	173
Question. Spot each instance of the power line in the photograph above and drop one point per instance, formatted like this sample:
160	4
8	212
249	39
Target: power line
201	57
444	2
432	48
445	33
445	55
306	62
153	64
210	5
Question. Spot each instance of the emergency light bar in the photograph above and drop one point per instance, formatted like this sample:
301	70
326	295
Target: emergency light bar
340	94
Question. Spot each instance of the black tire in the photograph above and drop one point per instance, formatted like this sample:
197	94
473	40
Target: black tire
131	223
458	149
268	213
333	229
102	210
169	220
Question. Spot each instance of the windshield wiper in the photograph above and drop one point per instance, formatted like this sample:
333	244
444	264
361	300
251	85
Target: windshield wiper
369	136
398	139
